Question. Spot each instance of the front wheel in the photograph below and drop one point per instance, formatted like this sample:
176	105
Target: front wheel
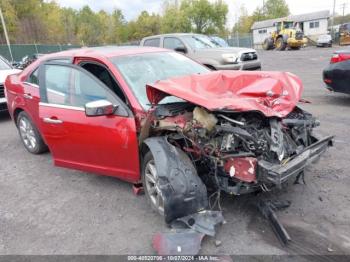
150	181
280	44
30	135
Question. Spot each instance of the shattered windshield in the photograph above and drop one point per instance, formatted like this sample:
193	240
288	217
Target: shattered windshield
199	41
142	69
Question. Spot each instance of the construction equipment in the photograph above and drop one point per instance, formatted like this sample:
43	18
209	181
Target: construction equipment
285	35
344	34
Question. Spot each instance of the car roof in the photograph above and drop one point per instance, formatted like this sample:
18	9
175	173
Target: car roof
104	51
173	34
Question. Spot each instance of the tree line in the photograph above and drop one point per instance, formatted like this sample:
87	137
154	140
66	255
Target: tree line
45	22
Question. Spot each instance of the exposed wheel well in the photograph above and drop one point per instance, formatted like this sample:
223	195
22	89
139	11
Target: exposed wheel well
16	113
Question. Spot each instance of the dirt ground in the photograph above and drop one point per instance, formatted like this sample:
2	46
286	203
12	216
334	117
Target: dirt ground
50	210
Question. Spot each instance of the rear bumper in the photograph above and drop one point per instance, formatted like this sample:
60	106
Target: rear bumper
247	65
278	174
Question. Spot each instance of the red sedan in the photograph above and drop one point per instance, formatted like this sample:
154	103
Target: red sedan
155	117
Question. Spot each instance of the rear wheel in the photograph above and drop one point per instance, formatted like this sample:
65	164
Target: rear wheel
30	135
280	44
150	181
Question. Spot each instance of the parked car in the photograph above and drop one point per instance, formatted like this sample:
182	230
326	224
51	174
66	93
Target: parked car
156	117
5	70
337	75
324	41
204	50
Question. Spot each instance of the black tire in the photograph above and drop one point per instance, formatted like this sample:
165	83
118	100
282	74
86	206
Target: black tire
280	44
296	48
147	159
30	135
268	44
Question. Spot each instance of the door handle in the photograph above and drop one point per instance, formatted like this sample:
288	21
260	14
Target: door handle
52	121
27	96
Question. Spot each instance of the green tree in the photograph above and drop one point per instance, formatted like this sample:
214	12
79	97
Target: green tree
11	20
54	28
244	22
145	25
276	9
174	19
88	27
205	17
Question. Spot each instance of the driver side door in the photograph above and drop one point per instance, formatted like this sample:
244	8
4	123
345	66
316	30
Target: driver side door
105	144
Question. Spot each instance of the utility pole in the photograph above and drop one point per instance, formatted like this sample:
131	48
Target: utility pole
5	32
343	5
332	29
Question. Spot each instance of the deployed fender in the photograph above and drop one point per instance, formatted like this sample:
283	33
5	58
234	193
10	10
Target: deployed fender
183	191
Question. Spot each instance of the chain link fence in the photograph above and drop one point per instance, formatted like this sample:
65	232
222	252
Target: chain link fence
19	51
241	40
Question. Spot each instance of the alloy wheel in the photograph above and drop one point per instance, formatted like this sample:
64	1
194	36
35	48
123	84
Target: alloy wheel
152	186
27	133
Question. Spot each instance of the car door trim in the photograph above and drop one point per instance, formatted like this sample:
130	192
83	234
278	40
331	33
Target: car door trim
62	106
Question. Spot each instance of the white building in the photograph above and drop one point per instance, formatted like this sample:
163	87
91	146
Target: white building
312	24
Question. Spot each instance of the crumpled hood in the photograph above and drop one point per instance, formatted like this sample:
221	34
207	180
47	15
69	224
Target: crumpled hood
271	93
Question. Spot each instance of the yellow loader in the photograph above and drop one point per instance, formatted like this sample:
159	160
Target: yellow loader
285	36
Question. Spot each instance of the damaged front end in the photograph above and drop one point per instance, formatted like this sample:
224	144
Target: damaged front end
241	152
234	132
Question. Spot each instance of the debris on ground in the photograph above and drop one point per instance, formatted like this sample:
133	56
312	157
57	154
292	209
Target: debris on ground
267	209
188	234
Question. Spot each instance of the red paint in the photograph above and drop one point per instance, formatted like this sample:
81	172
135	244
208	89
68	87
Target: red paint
340	57
242	168
272	93
108	145
103	145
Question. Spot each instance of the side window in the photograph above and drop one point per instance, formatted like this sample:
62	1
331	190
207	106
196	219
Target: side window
72	87
101	73
155	42
172	43
34	77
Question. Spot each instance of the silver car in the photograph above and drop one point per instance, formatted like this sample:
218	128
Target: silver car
206	51
324	40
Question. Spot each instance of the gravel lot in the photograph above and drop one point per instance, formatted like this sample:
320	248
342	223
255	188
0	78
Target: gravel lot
50	210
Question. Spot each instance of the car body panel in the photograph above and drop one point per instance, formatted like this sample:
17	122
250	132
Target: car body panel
105	145
271	93
337	75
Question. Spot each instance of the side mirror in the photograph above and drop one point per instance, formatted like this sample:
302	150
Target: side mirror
181	49
99	108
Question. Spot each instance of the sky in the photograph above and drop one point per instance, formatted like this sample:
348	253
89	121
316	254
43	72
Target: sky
132	8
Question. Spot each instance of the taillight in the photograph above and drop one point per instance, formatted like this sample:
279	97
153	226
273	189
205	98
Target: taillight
336	58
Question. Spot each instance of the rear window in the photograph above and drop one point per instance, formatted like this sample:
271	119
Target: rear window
155	42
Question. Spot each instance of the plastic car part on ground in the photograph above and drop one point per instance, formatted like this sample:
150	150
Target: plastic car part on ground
188	233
